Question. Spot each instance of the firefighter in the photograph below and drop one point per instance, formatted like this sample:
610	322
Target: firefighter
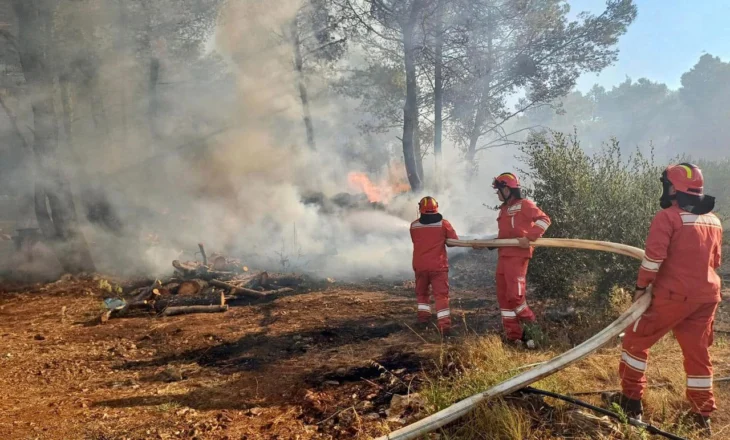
518	218
431	263
683	251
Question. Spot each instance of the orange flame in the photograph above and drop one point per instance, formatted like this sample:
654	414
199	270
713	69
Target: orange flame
381	192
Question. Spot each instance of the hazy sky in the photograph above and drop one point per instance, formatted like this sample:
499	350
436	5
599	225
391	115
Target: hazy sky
666	39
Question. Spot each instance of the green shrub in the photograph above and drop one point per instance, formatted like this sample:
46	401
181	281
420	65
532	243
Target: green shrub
600	196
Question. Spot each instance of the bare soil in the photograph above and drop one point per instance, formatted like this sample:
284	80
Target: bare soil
314	365
293	367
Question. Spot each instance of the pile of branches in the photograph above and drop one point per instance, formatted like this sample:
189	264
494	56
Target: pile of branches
204	287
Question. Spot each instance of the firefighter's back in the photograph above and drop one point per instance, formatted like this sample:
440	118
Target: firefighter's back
694	252
429	246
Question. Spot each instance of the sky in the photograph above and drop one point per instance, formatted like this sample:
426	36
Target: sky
666	40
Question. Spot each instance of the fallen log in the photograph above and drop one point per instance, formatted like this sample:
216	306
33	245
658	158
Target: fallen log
235	290
191	287
278	280
219	262
138	301
219	268
250	281
169	289
548	368
184	310
186	268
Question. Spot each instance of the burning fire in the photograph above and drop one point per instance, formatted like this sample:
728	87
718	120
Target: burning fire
381	192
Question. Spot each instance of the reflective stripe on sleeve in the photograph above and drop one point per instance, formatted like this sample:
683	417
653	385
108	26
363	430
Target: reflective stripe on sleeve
542	224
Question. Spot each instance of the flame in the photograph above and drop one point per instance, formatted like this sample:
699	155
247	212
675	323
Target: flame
381	192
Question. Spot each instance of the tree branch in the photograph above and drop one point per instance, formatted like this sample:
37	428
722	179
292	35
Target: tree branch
324	46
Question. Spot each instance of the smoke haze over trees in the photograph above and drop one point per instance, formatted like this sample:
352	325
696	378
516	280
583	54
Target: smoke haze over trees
130	131
639	113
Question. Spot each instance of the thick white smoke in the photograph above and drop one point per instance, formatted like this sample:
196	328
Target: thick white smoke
234	177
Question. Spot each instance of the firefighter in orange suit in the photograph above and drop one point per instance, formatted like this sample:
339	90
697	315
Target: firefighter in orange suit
521	219
431	263
683	250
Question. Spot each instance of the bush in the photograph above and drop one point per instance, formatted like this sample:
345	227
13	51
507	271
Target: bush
603	196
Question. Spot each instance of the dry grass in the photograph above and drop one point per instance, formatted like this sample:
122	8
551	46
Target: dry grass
481	362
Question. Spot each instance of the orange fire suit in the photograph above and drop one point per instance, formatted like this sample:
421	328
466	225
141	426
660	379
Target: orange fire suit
517	218
431	265
682	252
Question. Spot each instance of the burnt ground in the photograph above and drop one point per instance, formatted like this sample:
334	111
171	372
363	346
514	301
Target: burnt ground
315	365
276	369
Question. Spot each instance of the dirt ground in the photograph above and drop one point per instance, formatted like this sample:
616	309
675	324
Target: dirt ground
313	365
264	370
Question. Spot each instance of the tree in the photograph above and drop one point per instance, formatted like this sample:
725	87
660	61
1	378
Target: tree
705	93
514	47
315	37
637	113
391	29
54	202
643	113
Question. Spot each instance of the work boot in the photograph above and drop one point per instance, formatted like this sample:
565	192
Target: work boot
631	407
699	423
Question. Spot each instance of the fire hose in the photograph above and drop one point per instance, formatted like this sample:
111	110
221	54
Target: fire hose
548	368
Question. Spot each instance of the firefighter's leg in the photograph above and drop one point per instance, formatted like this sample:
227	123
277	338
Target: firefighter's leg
440	286
422	296
694	335
524	313
507	293
661	316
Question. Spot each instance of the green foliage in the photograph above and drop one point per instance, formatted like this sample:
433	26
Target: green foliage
602	196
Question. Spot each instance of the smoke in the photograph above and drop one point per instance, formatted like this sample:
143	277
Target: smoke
223	160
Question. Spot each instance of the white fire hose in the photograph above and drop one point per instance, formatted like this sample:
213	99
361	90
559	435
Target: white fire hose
548	368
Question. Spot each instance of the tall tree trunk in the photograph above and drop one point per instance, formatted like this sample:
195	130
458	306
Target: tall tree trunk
93	196
410	110
27	218
480	117
69	244
299	66
98	113
67	107
438	92
149	50
483	109
153	101
417	148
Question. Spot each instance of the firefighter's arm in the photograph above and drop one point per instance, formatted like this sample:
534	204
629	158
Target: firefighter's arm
657	245
540	222
449	230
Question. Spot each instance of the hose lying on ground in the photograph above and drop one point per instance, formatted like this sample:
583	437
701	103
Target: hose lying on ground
651	429
550	367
